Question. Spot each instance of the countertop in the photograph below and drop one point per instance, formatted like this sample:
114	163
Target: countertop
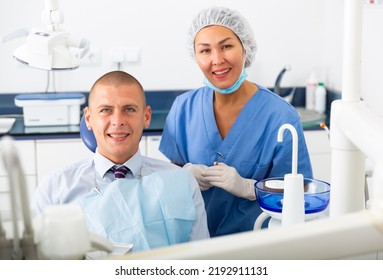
160	102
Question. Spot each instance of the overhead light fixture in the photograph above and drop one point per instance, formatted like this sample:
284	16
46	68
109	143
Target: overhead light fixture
51	48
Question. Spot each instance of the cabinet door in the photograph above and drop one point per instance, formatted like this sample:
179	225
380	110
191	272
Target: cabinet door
143	146
27	155
152	144
318	145
56	153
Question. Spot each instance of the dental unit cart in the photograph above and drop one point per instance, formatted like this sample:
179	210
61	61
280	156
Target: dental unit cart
49	109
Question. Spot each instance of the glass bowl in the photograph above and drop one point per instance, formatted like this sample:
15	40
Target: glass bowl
269	194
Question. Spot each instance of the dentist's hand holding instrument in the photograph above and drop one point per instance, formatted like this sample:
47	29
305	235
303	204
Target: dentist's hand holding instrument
196	170
227	178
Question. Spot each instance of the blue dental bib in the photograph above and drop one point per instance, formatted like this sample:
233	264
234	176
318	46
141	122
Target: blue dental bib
153	212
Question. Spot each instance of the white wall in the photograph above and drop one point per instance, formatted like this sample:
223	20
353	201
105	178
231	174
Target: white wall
333	45
303	33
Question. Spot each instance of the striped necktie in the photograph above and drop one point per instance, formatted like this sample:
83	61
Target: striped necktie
119	171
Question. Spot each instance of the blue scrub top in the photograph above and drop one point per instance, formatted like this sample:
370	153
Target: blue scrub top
191	135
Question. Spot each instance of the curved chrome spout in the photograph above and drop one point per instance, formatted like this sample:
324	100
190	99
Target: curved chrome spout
277	86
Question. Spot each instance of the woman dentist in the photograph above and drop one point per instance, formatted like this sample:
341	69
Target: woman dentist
225	133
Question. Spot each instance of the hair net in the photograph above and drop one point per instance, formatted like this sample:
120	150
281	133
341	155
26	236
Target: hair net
227	18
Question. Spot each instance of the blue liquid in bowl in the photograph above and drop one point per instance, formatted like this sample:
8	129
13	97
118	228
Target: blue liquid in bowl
313	203
316	196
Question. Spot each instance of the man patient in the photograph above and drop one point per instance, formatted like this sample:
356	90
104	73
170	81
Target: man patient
126	197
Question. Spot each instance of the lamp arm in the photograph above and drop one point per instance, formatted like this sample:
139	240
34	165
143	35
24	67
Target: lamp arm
52	16
22	32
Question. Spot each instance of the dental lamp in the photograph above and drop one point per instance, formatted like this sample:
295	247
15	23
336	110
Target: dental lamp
49	48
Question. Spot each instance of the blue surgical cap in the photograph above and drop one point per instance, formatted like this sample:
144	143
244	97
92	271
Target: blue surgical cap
227	18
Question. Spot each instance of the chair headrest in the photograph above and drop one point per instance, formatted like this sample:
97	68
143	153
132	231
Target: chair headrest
87	136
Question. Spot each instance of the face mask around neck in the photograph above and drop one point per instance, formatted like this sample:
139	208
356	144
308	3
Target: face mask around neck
231	89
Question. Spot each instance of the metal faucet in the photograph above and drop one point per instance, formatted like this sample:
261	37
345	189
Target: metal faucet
277	86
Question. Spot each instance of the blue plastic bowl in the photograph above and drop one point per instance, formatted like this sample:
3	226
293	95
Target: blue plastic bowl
269	194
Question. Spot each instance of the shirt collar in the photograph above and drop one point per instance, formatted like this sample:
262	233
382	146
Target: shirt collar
103	164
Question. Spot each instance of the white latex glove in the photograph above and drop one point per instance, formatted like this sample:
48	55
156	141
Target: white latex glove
196	171
227	178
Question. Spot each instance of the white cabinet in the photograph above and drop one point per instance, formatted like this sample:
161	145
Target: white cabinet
318	145
56	153
27	155
143	145
152	144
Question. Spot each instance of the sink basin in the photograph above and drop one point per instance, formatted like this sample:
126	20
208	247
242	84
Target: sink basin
310	117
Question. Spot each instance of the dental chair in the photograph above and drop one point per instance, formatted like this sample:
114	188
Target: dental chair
87	136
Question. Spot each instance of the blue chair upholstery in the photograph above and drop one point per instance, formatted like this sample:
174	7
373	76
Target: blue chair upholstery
87	136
